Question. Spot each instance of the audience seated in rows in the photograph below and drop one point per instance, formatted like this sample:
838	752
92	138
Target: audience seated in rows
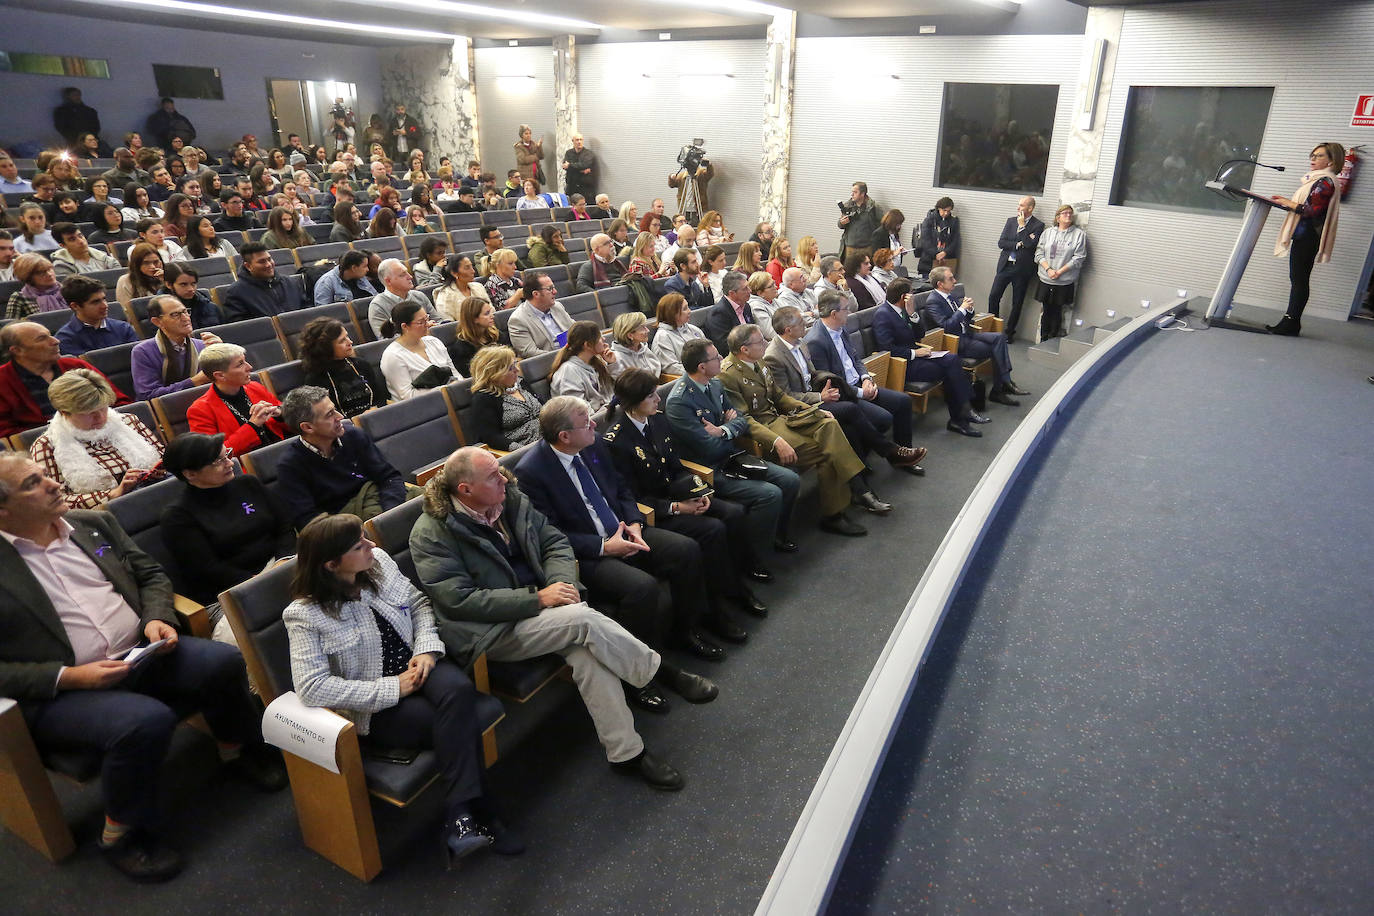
581	367
687	280
232	217
90	327
259	292
415	360
179	281
476	329
762	296
40	293
398	286
674	330
7	256
169	360
539	324
203	241
956	318
428	269
76	256
601	269
34	363
34	235
329	361
245	411
630	345
345	281
731	311
505	414
505	288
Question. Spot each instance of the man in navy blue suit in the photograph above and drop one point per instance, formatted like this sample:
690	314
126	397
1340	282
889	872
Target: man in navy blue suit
898	331
571	479
957	318
831	351
731	311
1016	263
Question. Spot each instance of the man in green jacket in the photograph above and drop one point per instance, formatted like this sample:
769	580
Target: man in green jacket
504	581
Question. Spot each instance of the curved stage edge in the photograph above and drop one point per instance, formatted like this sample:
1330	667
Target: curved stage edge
810	863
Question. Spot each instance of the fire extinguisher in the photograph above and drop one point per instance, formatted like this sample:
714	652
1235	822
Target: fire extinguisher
1347	175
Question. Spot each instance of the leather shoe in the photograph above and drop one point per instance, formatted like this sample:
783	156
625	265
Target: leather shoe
1000	396
840	524
783	545
701	647
1013	388
915	470
751	603
140	856
964	429
653	771
870	503
722	626
647	698
691	687
904	456
979	418
261	765
760	574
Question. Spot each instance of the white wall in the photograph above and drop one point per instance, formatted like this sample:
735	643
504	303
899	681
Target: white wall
130	95
507	98
636	124
851	121
1316	55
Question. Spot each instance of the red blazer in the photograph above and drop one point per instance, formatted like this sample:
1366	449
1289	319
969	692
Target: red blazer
19	411
209	414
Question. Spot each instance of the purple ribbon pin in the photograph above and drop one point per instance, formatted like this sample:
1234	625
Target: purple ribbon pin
248	509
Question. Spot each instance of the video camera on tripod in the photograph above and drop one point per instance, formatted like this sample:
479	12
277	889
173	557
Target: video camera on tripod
691	156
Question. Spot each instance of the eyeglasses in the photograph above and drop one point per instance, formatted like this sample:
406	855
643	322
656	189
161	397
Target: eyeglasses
226	458
176	313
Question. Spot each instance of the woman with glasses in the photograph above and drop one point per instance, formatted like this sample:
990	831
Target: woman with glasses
347	222
415	360
505	414
222	529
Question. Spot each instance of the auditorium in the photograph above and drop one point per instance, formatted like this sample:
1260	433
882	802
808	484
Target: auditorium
906	456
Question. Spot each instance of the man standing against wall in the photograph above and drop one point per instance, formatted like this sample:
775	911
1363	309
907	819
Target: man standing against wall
579	163
859	219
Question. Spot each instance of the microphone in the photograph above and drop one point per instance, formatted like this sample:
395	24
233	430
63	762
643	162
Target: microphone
1223	171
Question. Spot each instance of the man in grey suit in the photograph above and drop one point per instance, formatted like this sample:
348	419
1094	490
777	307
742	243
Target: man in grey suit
76	594
536	323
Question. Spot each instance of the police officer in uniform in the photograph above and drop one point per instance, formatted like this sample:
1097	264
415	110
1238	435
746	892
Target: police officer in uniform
641	446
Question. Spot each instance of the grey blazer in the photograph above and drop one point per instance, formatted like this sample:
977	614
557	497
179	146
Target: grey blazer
337	661
528	336
783	368
33	643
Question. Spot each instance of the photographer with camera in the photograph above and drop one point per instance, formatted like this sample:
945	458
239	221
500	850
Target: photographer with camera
859	218
694	173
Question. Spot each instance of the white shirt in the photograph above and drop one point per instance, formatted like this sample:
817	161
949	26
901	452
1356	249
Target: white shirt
851	373
567	461
550	324
800	360
401	367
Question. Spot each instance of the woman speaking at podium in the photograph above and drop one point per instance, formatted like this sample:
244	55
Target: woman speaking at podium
1309	232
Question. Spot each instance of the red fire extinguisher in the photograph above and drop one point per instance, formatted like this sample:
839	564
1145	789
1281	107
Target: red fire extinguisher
1347	175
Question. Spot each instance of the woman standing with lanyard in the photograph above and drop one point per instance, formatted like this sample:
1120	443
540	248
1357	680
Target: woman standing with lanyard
1309	232
1060	255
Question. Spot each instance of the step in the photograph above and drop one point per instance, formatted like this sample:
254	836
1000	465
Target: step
1107	330
1050	353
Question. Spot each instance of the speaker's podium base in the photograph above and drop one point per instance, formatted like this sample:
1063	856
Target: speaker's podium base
1238	318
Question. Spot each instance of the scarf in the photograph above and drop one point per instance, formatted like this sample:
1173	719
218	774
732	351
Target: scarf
48	299
189	362
1290	222
81	471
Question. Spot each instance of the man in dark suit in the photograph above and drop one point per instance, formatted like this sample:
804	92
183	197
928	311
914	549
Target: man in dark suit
688	281
832	351
865	424
76	594
705	428
897	330
571	479
1016	263
957	318
731	311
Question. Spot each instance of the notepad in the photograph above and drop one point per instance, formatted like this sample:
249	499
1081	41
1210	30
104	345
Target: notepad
140	654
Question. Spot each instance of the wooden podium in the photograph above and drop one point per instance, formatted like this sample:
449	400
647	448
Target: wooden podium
1257	209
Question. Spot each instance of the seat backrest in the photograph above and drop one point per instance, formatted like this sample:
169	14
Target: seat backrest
282	379
170	410
259	337
503	324
459	396
535	216
391	532
500	218
462	220
53	320
511	459
254	609
538	378
555	272
114	364
290	324
414	433
389	247
285	259
614	302
583	307
584	228
210	266
446	333
139	513
465	239
144	411
309	254
263	462
411	243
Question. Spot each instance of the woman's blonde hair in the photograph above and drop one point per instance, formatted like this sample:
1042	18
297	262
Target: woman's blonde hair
625	325
780	243
760	281
80	391
489	364
644	248
625	209
749	252
708	219
1062	208
803	252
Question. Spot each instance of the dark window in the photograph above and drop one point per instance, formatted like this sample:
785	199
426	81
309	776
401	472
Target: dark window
188	82
1175	138
996	136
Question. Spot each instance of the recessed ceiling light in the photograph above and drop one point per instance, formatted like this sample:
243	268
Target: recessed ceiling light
524	17
232	12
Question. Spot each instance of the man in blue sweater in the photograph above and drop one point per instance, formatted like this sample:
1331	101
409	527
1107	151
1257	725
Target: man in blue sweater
333	467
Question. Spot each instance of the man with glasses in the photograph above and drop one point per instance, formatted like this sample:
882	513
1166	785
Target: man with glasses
832	278
399	286
170	360
539	324
492	242
34	362
793	432
232	218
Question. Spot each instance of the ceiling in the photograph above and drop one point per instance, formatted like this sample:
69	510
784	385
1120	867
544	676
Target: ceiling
617	18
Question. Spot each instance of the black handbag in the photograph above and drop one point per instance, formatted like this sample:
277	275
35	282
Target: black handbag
744	466
433	377
846	390
979	401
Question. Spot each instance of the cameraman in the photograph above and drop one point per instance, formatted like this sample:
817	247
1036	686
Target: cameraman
859	219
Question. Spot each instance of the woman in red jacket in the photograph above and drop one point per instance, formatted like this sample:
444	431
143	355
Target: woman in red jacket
243	410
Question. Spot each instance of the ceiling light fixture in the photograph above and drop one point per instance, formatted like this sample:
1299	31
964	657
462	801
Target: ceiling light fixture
232	12
524	17
733	6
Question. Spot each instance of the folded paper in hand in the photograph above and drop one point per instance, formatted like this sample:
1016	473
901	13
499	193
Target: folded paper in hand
306	731
935	353
139	654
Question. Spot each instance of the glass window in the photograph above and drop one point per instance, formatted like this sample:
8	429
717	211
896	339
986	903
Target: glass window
996	136
1175	138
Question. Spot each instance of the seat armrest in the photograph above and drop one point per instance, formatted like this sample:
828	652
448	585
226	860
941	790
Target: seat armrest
989	322
312	733
495	451
896	373
934	339
876	363
480	678
194	619
951	343
422	475
667	377
701	470
648	514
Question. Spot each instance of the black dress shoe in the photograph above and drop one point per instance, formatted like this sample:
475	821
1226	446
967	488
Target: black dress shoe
751	603
963	429
655	772
691	687
1000	395
647	698
261	765
870	503
760	574
140	856
701	647
504	841
976	417
915	470
840	524
1013	388
722	626
783	545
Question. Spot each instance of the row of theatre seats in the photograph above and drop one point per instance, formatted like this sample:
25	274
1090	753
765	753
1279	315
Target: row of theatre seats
416	435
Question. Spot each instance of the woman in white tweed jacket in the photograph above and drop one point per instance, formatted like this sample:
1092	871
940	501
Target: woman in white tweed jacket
363	643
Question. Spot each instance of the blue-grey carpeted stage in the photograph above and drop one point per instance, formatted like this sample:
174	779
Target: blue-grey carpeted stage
1152	688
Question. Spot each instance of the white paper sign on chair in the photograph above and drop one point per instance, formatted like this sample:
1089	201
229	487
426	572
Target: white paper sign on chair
311	732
